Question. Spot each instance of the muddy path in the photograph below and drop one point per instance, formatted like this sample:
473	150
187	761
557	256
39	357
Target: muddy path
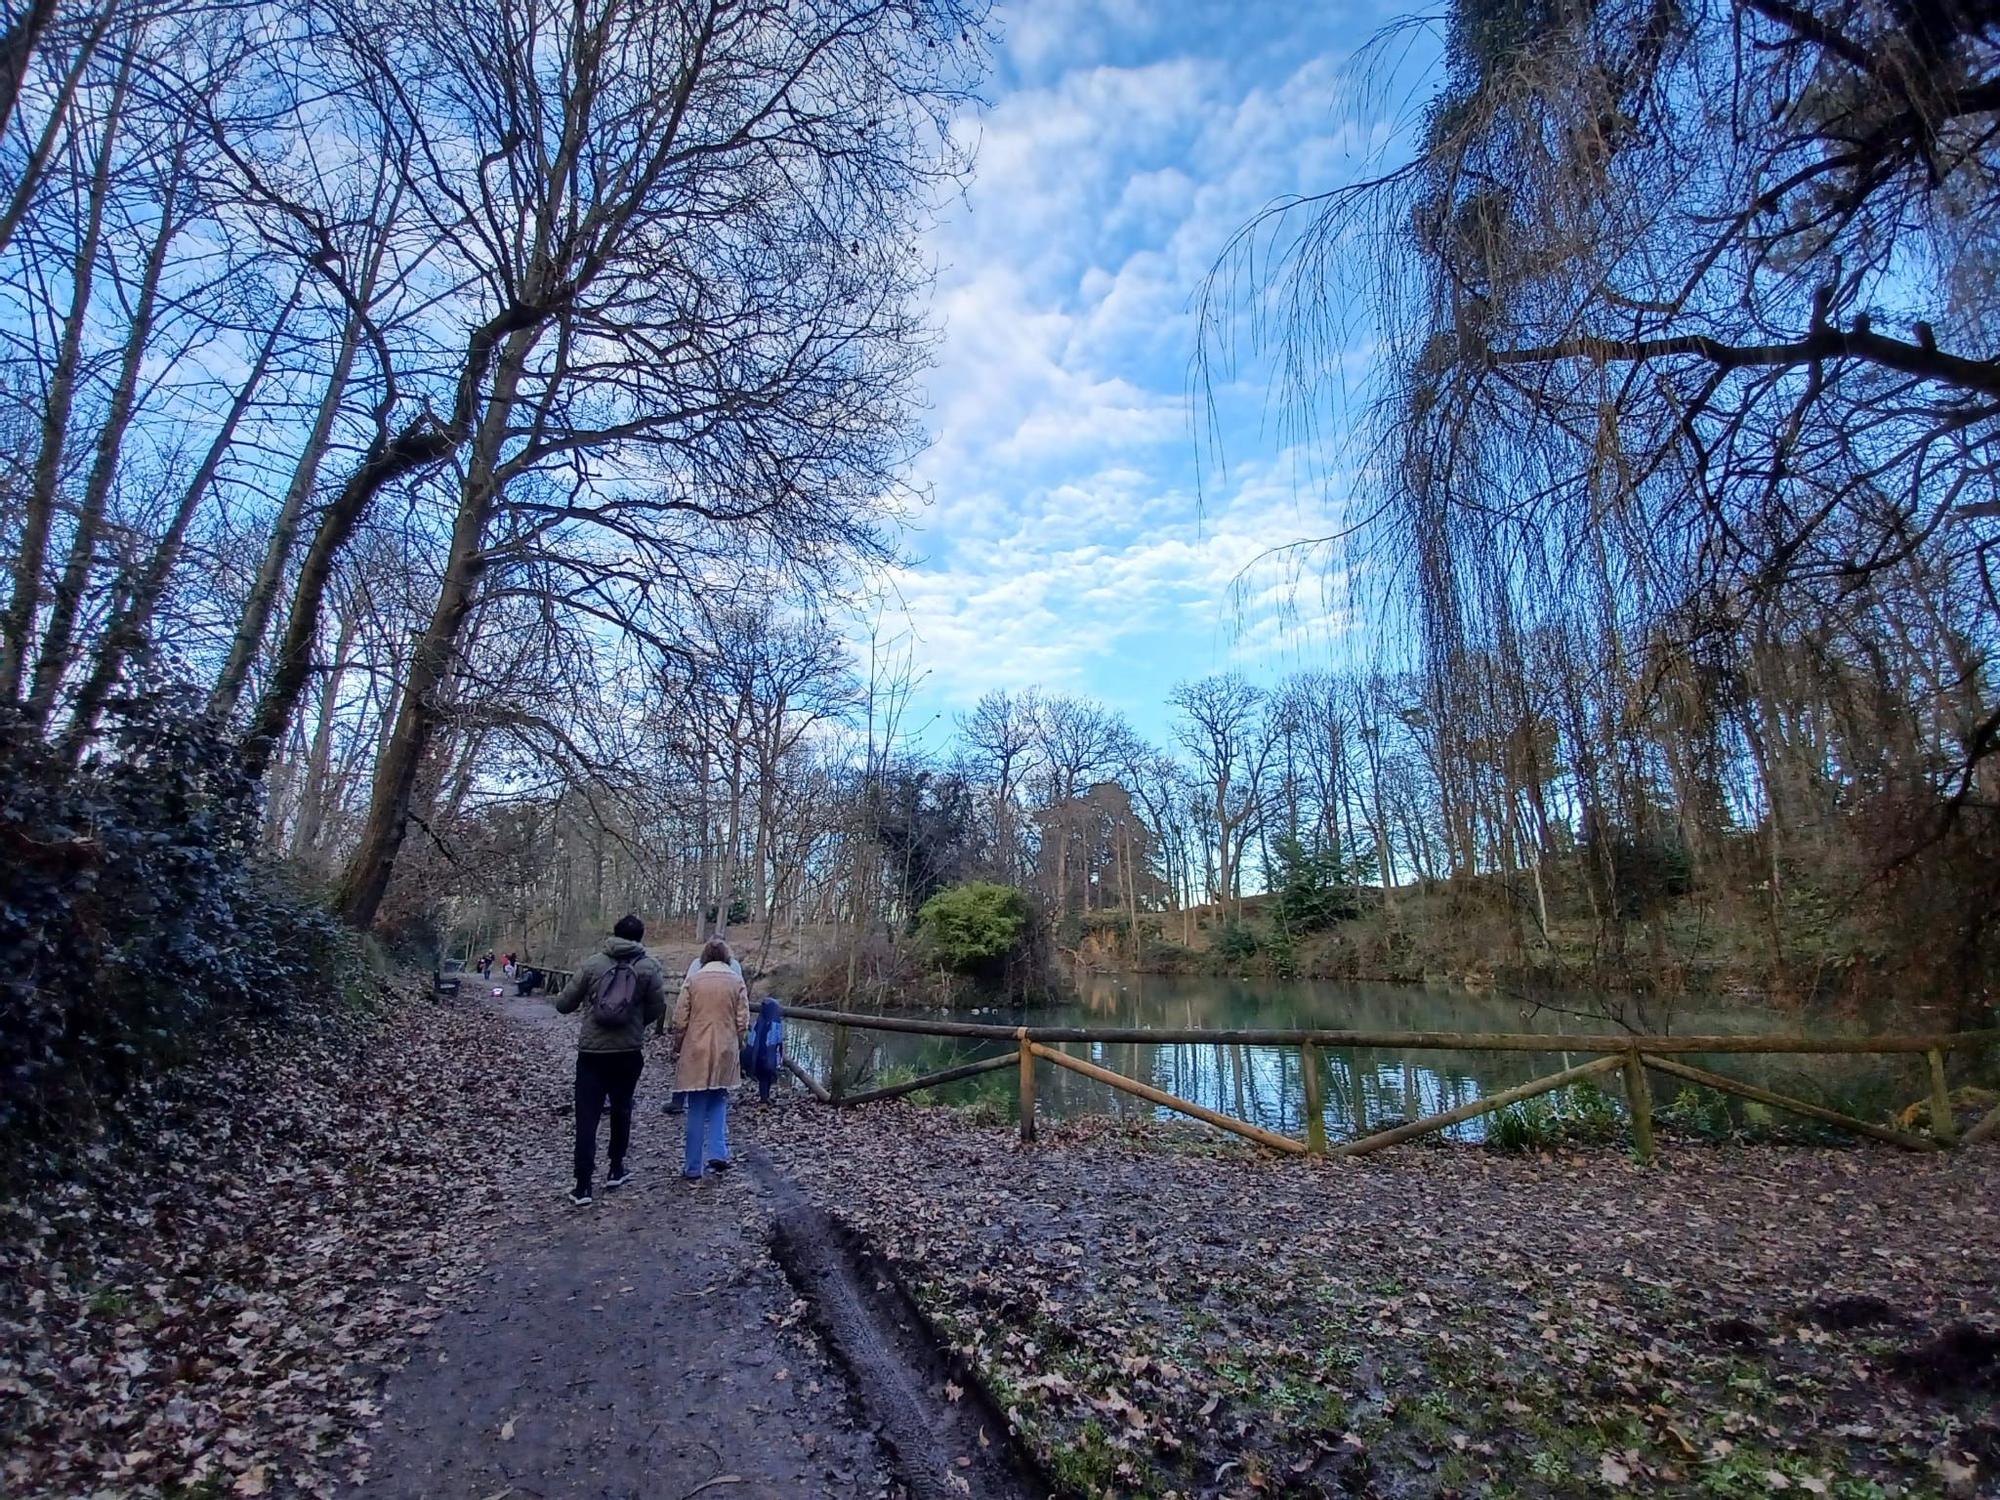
944	1433
653	1344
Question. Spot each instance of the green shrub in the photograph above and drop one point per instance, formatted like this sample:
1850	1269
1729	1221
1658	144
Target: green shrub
1235	942
973	928
1527	1126
1587	1113
1578	1115
1699	1111
1314	887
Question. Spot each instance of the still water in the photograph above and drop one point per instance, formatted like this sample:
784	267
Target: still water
1363	1089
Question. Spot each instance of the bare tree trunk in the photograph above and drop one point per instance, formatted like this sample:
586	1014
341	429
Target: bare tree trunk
390	457
704	859
1131	893
33	172
17	50
312	805
66	600
128	628
257	609
367	878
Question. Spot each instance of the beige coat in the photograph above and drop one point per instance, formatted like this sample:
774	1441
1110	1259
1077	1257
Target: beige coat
711	1019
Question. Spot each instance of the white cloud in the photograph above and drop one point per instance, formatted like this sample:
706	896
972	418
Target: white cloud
1065	528
1064	592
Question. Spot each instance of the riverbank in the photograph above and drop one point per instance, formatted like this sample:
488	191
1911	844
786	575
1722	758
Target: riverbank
1480	933
1164	1314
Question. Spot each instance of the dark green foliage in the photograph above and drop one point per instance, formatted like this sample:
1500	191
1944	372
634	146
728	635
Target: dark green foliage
1235	941
1580	1114
739	910
1637	875
974	928
1698	1111
927	825
1314	887
134	919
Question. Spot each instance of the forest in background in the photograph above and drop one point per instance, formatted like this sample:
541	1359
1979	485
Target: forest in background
387	394
1673	515
446	456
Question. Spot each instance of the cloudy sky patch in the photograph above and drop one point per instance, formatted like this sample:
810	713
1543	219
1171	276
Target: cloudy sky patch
1073	540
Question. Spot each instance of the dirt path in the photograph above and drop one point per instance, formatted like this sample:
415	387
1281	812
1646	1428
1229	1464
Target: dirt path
651	1346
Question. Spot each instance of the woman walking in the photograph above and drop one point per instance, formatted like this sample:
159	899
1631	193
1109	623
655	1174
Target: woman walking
711	1019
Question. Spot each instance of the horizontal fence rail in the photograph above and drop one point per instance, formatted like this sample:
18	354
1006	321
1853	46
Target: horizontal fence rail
1470	1041
1629	1056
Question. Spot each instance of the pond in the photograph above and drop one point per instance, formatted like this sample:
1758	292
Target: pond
1362	1089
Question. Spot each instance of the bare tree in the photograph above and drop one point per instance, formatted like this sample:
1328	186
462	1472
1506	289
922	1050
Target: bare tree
1001	734
697	260
1076	741
1221	725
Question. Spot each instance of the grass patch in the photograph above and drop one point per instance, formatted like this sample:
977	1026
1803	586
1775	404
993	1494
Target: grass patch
1580	1115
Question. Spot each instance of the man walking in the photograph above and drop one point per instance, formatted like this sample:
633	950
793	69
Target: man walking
623	991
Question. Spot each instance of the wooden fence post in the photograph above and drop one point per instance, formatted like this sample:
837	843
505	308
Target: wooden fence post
837	1082
1944	1129
1985	1130
1027	1085
1315	1104
1639	1099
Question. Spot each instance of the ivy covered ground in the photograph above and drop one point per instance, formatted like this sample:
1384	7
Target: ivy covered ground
1164	1314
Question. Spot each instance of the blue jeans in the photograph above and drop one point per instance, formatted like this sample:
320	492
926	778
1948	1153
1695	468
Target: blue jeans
707	1130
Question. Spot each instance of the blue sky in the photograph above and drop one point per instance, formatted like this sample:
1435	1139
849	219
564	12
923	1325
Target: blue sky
1077	539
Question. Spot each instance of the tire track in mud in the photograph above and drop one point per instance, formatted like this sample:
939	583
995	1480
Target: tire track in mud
942	1449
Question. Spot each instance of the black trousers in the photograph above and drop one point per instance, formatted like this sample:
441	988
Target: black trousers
601	1078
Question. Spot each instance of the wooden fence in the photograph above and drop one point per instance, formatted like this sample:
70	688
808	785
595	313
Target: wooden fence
1631	1057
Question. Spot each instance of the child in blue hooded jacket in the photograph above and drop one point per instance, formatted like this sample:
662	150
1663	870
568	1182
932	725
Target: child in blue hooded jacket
767	1047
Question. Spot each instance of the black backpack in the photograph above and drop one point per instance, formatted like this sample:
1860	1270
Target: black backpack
617	999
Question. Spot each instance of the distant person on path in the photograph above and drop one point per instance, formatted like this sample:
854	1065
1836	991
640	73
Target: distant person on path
711	1020
677	1104
767	1047
623	990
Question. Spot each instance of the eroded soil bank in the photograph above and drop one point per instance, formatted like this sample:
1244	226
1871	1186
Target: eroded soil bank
1165	1315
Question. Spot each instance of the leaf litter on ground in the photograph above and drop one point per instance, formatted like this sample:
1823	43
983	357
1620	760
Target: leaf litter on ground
1163	1315
205	1300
